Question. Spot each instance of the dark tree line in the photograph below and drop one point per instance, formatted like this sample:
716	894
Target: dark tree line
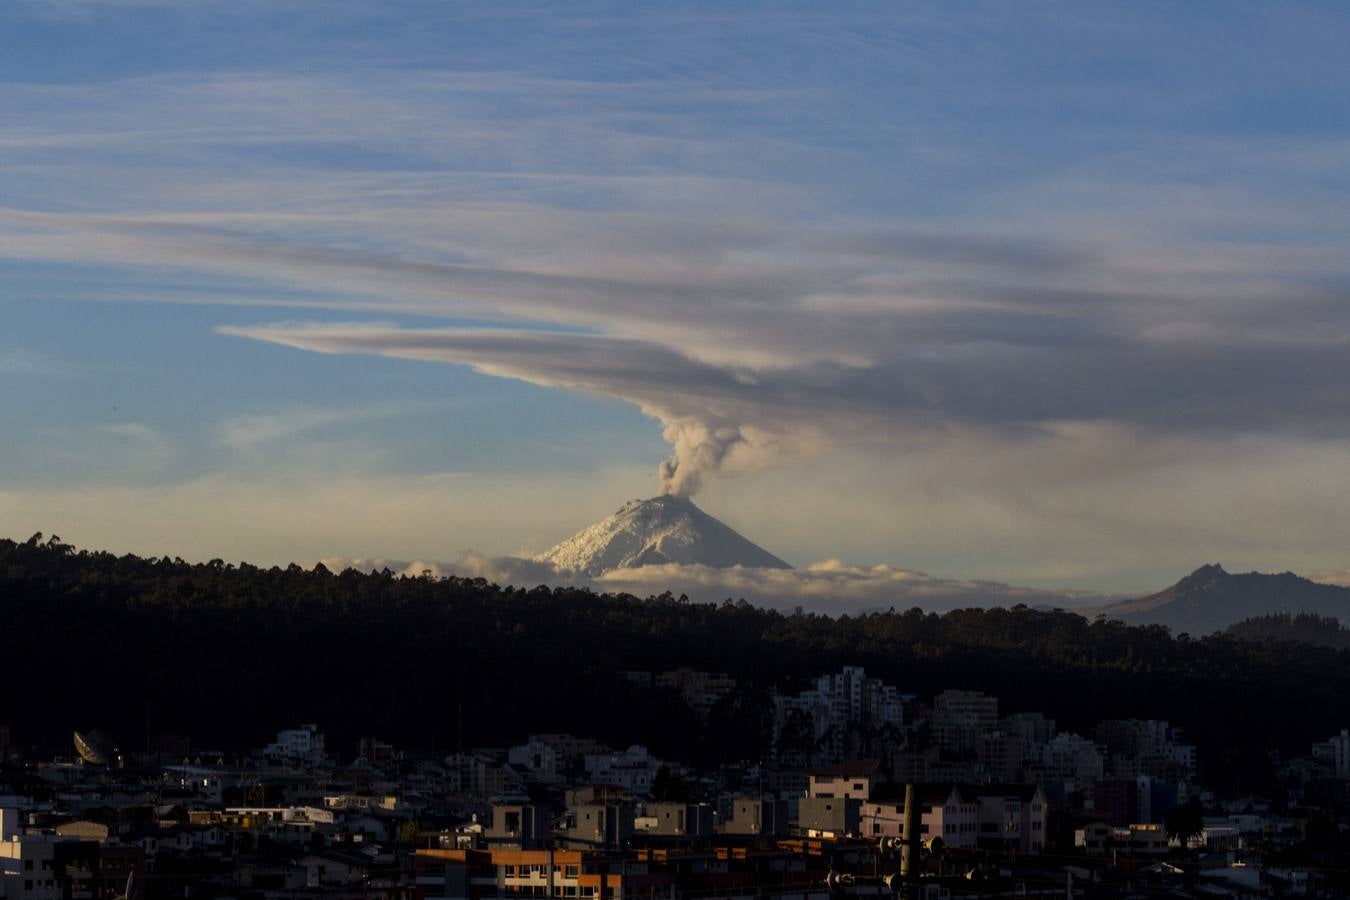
1307	628
228	654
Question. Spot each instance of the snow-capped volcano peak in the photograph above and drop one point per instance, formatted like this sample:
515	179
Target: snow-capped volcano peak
663	529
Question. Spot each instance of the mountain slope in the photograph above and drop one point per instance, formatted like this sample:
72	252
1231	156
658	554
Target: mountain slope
1211	599
656	531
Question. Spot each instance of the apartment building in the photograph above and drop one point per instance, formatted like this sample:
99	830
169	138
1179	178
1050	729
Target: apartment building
992	817
960	717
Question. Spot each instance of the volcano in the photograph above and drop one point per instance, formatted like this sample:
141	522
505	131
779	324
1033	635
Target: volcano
651	532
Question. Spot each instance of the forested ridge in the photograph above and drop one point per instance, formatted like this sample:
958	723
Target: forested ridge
229	653
1307	628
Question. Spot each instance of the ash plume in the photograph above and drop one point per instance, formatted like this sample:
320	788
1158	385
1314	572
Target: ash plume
699	451
702	450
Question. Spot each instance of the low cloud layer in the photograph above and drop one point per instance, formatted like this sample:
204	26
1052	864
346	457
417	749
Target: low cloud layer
829	586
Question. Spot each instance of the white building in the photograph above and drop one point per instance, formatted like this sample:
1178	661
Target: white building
838	701
476	775
302	745
634	768
1150	746
966	817
1068	755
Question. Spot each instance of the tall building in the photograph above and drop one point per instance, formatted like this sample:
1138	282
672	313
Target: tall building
1000	755
1336	753
960	717
634	769
1033	728
817	723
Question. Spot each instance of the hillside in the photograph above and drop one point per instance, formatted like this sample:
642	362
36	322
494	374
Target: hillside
1211	599
228	654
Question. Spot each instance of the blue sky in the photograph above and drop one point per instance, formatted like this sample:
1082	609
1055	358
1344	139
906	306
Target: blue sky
1048	293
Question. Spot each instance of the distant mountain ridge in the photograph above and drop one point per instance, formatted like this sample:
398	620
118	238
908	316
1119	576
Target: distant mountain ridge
1211	599
657	531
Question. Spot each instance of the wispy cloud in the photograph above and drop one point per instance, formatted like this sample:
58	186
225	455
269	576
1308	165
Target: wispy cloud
19	361
250	431
145	444
803	339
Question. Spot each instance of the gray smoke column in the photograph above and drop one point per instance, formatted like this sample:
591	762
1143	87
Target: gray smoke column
700	450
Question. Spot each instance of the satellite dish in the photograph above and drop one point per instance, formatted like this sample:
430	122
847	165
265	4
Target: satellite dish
97	749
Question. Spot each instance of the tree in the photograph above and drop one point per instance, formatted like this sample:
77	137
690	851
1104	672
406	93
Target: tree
797	738
1184	822
669	787
740	725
